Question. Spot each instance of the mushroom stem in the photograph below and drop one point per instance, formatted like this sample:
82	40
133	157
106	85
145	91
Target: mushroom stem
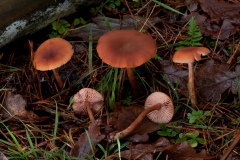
191	85
58	78
133	125
90	114
133	81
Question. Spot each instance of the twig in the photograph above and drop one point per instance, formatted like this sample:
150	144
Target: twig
230	148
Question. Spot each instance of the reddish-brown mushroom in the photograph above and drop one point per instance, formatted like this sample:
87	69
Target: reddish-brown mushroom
126	49
51	54
158	108
86	100
187	55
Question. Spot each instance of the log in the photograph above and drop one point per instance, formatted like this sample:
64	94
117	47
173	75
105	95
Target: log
21	17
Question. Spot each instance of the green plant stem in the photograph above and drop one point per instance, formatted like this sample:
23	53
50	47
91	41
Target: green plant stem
114	84
57	77
191	85
134	124
90	67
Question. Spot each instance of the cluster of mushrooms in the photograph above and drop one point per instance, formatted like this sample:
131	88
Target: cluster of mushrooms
122	49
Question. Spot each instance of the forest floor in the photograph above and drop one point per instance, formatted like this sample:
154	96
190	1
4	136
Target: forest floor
36	116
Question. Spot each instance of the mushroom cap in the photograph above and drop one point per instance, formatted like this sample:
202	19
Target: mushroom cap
188	54
163	115
52	53
126	48
87	95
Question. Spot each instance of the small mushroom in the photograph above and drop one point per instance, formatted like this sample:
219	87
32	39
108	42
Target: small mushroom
158	108
126	49
187	55
51	54
86	100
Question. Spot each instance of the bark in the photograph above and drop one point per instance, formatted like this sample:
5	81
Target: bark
21	17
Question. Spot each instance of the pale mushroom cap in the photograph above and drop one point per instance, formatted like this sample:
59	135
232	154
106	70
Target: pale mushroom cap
163	115
52	53
87	95
188	54
126	48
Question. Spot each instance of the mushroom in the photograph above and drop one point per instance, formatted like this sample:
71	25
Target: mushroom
158	108
51	54
126	49
187	55
86	100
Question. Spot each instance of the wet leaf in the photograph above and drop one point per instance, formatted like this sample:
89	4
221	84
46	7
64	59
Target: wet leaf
208	28
223	21
214	79
83	148
176	74
100	26
211	80
220	10
15	106
183	151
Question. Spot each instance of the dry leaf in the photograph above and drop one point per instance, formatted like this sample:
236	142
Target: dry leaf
82	148
2	156
127	115
15	106
183	151
144	151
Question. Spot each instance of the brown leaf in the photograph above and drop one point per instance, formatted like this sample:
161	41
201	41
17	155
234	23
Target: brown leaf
127	115
183	151
82	148
144	151
223	21
15	106
220	10
212	80
2	156
100	27
208	28
176	74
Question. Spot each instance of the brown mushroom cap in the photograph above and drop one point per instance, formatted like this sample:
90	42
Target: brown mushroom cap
126	48
87	95
165	114
52	53
188	54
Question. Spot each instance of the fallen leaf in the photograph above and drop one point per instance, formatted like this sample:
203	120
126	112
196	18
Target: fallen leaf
83	148
2	156
221	31
220	10
127	115
144	151
15	106
175	74
212	80
100	26
183	151
221	19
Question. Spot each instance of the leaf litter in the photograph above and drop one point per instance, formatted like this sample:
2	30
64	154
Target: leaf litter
221	81
212	79
220	19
